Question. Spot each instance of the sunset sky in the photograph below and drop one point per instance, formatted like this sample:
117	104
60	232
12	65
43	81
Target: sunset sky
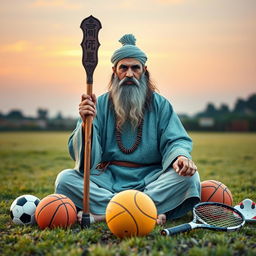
199	51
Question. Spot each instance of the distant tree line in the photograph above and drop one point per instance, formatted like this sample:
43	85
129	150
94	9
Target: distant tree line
242	107
17	114
241	118
15	120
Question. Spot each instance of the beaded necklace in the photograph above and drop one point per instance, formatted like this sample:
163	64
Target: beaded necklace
136	143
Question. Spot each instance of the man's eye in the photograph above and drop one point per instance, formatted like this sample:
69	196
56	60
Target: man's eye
123	67
136	68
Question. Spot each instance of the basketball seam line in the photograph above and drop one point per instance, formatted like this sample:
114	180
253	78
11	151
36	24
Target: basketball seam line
63	203
223	192
223	196
140	208
226	190
214	182
115	216
58	198
47	205
54	215
214	191
209	186
66	211
64	197
128	213
71	206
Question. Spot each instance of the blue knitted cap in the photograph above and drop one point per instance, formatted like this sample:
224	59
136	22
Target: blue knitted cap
128	50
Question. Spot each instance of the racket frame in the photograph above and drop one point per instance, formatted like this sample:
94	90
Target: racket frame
202	224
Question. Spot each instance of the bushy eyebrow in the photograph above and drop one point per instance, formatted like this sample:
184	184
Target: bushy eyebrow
133	67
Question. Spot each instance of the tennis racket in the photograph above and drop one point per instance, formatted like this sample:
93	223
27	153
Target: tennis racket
210	215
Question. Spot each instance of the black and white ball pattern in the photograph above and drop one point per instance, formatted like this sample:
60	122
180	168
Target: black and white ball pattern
23	208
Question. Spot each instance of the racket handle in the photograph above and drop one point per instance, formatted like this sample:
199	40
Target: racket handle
176	230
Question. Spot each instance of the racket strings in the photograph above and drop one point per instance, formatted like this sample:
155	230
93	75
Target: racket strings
218	215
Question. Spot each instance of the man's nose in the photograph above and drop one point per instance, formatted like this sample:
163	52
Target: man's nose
129	73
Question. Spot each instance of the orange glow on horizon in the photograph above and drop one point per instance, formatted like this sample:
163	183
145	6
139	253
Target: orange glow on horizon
197	49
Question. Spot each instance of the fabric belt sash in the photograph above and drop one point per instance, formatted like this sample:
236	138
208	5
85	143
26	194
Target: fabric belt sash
104	165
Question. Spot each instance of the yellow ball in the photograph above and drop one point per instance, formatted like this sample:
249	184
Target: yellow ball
131	213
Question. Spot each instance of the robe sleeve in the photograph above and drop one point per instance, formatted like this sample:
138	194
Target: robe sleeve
174	140
76	146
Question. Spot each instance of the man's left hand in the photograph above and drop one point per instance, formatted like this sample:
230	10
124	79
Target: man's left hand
184	166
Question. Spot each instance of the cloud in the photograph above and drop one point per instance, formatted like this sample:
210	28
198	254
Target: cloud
66	4
69	53
55	48
16	47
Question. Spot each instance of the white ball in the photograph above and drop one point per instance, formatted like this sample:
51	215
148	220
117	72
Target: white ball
23	209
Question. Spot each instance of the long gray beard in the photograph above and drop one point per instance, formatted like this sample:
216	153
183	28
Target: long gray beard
129	100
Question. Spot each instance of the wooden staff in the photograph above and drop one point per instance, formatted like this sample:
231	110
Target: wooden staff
90	44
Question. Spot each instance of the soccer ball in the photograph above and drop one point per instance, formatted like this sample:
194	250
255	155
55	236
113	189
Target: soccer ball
23	208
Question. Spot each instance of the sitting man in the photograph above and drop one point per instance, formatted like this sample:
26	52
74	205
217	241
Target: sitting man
138	142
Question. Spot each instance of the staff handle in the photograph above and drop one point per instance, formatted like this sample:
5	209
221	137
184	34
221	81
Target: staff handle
87	164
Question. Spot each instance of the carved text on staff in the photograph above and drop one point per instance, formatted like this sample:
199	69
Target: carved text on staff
90	57
90	33
90	44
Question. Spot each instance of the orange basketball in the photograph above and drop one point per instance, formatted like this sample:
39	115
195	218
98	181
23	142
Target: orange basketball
131	213
55	210
215	191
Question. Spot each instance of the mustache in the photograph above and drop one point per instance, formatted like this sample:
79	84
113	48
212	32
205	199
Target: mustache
129	81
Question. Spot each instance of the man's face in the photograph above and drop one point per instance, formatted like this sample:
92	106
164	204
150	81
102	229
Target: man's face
129	68
129	91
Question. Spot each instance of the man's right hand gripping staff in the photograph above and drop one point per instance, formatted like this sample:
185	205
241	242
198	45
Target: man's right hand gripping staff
87	106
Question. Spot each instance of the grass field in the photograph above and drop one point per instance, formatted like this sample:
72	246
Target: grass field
31	161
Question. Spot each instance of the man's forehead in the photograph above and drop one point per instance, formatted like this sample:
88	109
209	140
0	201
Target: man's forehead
129	62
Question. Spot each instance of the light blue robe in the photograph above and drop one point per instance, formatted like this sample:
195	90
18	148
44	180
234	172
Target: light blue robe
163	140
